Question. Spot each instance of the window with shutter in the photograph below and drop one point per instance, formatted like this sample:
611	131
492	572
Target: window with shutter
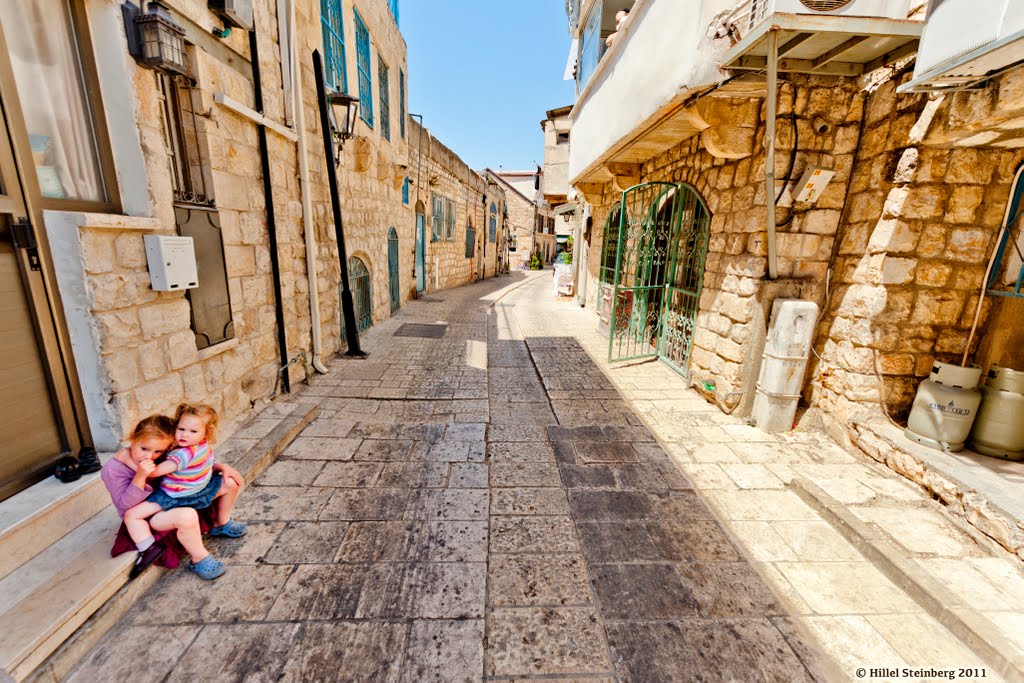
333	29
437	214
363	63
384	93
449	225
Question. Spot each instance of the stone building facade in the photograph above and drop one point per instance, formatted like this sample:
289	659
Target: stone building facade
155	155
462	212
894	251
530	221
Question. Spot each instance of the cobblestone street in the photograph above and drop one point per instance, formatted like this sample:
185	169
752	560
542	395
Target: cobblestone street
488	504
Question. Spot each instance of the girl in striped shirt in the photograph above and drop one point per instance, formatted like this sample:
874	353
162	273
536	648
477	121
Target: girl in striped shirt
192	479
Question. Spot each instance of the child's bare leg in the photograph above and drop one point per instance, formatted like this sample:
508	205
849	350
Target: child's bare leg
185	521
225	500
135	520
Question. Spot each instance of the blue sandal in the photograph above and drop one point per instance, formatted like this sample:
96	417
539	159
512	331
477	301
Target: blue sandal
207	568
232	529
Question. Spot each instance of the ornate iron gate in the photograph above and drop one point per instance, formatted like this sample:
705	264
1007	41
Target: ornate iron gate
659	266
687	254
395	287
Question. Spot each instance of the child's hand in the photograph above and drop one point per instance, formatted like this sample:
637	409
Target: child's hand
146	467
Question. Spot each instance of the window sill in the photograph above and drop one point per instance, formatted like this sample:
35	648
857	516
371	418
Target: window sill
217	349
108	221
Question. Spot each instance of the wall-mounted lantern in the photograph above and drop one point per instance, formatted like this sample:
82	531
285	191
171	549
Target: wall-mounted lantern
343	112
154	39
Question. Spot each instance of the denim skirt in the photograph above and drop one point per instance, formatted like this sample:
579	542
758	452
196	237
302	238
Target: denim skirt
200	500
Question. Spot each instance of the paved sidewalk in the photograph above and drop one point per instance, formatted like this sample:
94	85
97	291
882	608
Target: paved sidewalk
491	505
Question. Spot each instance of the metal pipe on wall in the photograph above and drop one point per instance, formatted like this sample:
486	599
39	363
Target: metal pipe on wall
268	198
769	141
308	230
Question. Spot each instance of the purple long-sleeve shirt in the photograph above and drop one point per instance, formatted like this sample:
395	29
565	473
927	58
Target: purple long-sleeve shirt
118	479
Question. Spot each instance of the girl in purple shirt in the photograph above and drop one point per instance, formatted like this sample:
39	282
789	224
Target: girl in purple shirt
125	477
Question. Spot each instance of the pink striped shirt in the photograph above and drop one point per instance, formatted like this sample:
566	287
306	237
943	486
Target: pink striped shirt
195	467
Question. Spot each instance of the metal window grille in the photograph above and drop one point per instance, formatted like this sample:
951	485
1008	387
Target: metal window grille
470	241
384	91
363	64
359	276
333	28
493	223
401	102
437	214
185	134
405	191
449	220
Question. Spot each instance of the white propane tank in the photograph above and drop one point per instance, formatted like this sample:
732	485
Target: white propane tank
999	429
784	363
945	407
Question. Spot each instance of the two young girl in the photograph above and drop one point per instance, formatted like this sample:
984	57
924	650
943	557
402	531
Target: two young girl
191	481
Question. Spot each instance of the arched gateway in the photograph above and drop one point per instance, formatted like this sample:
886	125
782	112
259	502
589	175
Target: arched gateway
659	269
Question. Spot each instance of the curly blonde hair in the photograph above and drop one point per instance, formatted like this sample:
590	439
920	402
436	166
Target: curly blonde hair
204	412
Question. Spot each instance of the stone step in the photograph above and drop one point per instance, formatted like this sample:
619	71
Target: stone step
51	595
39	516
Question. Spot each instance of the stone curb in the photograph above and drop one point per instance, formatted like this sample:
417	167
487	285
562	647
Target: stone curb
251	464
945	606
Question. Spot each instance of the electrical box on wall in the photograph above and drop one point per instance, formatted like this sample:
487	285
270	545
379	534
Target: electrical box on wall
237	13
172	262
812	184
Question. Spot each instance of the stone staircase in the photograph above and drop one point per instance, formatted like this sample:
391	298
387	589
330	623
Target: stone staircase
56	569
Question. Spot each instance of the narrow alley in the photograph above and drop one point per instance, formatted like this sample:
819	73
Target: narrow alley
478	500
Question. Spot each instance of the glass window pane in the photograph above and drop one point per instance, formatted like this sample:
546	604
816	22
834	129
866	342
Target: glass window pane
590	45
48	75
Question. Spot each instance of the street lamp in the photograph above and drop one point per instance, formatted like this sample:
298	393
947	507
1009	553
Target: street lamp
160	41
341	126
343	112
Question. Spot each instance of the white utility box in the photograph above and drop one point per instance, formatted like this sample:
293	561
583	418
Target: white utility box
812	184
172	262
785	360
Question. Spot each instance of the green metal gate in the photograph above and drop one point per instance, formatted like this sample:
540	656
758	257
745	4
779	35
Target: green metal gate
659	266
395	286
359	279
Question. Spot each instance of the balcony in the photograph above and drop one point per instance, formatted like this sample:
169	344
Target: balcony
624	109
640	98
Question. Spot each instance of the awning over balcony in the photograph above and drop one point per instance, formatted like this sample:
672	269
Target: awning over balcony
825	44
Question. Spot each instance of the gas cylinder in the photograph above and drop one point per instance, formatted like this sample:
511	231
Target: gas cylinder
945	407
999	429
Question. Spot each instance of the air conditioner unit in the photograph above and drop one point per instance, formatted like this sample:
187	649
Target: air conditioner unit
965	42
886	9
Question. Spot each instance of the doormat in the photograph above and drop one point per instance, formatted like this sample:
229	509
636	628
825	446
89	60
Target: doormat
421	330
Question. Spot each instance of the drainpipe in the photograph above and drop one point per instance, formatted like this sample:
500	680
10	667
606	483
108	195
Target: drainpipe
268	199
769	141
308	231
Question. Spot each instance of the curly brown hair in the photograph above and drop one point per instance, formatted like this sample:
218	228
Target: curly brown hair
154	426
204	412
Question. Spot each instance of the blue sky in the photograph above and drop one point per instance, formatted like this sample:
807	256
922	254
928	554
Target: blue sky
482	73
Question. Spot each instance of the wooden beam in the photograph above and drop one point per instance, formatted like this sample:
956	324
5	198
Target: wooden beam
845	46
793	44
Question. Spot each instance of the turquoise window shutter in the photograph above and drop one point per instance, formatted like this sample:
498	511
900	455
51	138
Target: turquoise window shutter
333	30
363	64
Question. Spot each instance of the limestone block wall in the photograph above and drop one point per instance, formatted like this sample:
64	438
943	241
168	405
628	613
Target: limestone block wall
736	298
926	202
442	172
521	218
142	339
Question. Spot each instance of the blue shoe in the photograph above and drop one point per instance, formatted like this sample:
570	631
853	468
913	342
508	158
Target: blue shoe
232	529
207	568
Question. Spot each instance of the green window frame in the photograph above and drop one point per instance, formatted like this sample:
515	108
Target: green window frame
494	223
363	66
332	26
449	220
470	240
384	92
401	102
437	217
610	245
